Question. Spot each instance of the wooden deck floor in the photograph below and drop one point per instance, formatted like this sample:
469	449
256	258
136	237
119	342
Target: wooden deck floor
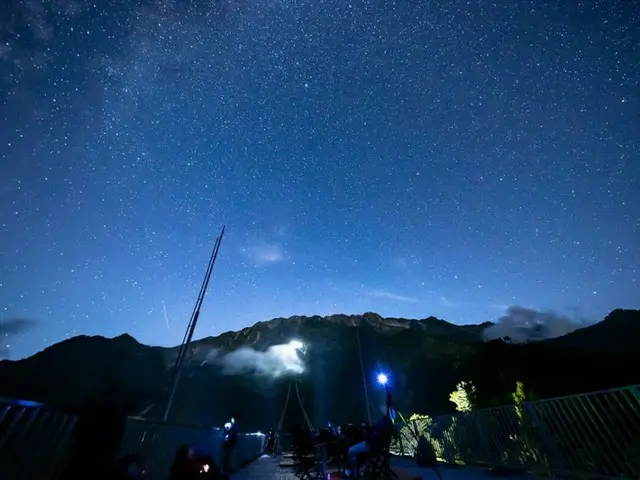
268	468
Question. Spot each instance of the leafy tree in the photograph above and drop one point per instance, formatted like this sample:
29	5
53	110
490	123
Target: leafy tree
464	396
525	446
519	397
415	427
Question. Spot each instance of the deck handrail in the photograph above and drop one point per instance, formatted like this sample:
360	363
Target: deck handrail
589	435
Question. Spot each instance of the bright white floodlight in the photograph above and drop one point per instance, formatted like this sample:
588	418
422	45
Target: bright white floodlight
296	344
382	379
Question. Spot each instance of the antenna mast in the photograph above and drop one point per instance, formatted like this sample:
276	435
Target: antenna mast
364	380
191	326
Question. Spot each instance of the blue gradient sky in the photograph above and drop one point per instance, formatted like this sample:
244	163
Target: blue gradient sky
405	157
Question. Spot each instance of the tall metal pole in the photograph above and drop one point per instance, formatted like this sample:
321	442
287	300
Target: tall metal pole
364	379
182	350
191	326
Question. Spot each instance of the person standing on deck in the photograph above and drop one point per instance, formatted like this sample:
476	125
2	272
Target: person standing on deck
271	443
229	442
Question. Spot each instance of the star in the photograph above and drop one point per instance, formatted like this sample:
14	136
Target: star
394	157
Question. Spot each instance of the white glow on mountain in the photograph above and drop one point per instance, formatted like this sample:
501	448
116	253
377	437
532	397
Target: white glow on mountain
276	361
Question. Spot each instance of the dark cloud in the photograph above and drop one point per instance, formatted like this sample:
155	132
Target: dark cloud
522	324
14	326
10	328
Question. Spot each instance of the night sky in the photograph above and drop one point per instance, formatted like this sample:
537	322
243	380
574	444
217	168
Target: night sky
407	157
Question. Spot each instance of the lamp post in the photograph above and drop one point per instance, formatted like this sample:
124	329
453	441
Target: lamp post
383	380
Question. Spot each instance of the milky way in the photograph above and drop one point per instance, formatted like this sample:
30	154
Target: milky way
408	157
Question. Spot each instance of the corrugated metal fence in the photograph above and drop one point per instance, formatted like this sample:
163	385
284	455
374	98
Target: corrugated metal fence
33	439
594	435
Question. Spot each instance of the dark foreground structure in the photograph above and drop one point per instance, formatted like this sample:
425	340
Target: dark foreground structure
595	435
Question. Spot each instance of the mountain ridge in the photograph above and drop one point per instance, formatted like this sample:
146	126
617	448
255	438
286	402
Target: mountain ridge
378	322
426	358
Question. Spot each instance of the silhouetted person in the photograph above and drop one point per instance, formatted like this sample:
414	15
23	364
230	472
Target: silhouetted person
184	466
129	467
229	442
376	439
96	438
270	445
189	464
208	467
426	457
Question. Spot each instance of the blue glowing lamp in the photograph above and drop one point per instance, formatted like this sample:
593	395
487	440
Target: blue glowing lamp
383	379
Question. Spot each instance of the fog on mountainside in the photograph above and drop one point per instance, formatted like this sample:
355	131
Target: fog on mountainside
520	325
425	358
276	361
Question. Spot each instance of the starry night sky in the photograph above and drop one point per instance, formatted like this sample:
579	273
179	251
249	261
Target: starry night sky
407	157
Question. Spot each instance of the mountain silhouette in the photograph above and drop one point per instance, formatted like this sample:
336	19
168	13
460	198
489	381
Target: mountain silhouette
425	360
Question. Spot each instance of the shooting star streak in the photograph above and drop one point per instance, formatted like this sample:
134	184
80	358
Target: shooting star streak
166	317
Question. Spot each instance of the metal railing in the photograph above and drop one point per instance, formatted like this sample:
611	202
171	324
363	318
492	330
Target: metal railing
156	443
33	439
588	436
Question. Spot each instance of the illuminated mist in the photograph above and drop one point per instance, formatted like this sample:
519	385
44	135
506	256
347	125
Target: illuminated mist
276	361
